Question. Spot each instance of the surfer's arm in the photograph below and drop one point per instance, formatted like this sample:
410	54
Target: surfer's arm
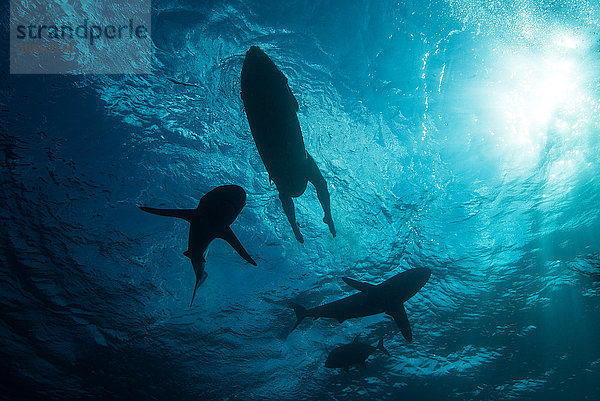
316	178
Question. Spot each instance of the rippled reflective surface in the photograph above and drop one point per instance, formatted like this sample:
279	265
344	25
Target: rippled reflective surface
462	136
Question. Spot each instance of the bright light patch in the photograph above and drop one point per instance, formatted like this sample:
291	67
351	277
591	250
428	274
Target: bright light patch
568	41
536	105
553	88
532	91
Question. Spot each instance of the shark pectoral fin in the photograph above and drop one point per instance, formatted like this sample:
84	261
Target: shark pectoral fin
401	319
381	347
186	214
230	237
359	285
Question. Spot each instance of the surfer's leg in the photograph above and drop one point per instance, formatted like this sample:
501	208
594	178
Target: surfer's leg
316	178
288	208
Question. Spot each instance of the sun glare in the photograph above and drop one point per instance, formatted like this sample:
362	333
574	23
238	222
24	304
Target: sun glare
536	91
568	41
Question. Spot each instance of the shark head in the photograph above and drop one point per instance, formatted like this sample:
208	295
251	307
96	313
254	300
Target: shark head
235	195
226	201
419	276
409	282
335	359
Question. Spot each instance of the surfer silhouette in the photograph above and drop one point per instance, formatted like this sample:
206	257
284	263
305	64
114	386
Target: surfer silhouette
271	110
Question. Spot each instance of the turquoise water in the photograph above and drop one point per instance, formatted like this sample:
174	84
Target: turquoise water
462	136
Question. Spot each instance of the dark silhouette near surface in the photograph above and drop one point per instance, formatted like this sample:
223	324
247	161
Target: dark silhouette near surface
355	353
271	110
211	219
387	297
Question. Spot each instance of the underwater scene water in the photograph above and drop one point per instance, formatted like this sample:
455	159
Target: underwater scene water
460	136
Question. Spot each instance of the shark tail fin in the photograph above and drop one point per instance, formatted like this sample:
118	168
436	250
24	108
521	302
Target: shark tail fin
186	214
301	313
199	280
381	347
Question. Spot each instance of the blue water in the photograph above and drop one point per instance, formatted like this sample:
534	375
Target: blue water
458	135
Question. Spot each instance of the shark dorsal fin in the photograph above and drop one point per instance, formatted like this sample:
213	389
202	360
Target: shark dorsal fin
230	237
359	285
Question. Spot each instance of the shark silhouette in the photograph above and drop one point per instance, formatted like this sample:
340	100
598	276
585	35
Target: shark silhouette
271	110
387	297
211	219
355	353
